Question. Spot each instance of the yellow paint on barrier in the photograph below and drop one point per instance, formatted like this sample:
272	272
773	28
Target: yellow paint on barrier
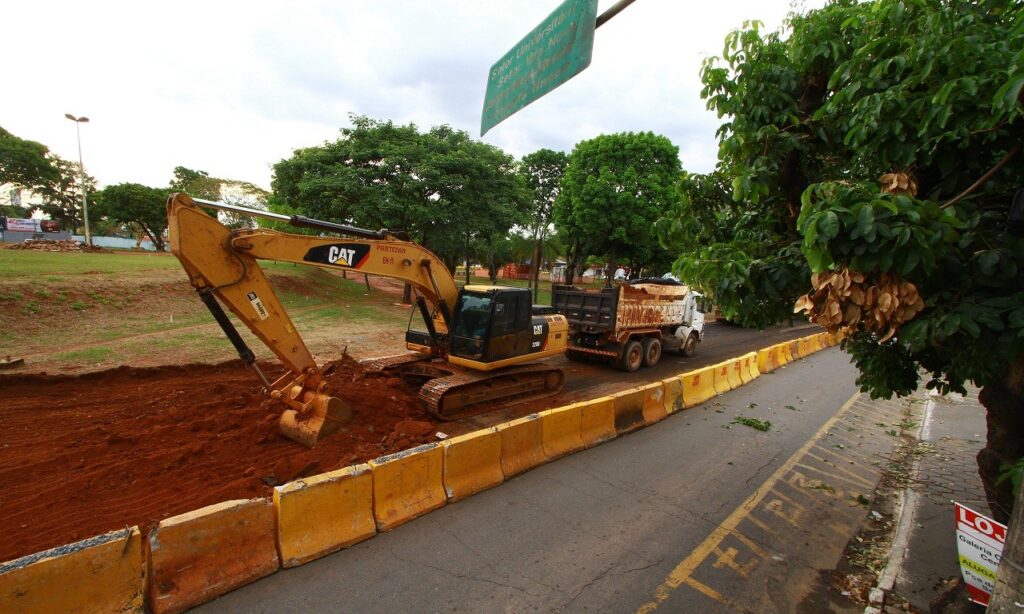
673	394
779	355
560	429
764	361
789	351
597	421
106	573
197	556
522	445
407	485
324	513
806	346
698	386
735	368
472	463
722	383
750	364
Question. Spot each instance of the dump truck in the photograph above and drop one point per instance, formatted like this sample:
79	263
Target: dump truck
630	325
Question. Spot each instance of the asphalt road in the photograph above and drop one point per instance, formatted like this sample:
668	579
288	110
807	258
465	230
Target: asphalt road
694	513
587	380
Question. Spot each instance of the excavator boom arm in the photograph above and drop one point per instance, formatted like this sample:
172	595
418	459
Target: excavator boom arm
223	263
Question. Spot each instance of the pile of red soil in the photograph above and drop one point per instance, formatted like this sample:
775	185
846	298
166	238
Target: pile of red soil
84	455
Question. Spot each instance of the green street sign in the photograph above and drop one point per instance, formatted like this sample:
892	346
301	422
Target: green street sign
551	54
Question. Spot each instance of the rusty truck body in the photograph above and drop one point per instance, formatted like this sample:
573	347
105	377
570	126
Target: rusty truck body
631	324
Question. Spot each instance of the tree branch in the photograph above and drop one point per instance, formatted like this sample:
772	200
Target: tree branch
984	178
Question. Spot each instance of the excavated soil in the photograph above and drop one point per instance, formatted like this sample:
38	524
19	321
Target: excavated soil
84	455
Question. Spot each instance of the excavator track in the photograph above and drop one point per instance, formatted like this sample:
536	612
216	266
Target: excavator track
465	393
389	363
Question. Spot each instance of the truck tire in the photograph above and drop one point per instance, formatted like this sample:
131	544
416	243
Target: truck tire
690	345
632	356
652	351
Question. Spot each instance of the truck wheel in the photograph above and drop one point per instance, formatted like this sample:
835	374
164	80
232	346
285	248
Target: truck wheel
690	346
652	351
632	357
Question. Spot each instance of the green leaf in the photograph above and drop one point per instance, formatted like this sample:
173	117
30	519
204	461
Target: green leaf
828	226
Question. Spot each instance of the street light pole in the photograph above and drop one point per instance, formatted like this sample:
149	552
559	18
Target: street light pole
81	169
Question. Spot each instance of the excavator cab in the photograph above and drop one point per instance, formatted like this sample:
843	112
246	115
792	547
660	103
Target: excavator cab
494	323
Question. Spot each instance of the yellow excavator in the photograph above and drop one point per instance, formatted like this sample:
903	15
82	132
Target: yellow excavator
473	352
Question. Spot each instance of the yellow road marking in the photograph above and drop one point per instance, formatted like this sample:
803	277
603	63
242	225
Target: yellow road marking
681	574
850	478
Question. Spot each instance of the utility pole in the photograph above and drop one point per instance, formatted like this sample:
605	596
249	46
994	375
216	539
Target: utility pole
81	170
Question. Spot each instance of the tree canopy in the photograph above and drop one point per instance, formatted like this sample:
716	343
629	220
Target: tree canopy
132	203
25	163
441	186
615	188
882	138
543	170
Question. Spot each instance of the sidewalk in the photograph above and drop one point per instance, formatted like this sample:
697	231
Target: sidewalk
923	571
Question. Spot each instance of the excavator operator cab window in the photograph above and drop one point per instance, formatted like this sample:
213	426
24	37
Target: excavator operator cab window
472	320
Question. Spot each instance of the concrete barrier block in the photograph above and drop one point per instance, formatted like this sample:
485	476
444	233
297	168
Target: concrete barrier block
106	573
407	485
750	365
742	369
764	361
673	401
779	354
735	371
638	407
522	445
698	386
324	513
721	378
472	463
597	421
199	555
561	430
789	349
805	346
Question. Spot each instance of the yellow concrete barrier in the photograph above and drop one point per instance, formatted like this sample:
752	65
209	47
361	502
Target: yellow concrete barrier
324	513
199	555
597	421
638	407
673	394
522	445
778	355
764	360
790	350
750	365
407	485
722	383
734	373
698	386
106	573
472	463
560	429
806	347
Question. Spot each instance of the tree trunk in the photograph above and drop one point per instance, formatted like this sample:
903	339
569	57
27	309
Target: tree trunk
1009	589
467	259
1004	403
535	269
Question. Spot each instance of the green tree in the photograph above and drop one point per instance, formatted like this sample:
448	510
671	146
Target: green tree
442	187
199	184
615	188
925	272
25	163
63	197
132	203
543	170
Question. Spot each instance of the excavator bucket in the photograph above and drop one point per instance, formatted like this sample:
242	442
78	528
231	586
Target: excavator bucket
321	416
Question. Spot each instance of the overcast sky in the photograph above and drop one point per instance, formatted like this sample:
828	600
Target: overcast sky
233	87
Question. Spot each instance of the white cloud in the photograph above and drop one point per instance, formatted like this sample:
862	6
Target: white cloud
231	88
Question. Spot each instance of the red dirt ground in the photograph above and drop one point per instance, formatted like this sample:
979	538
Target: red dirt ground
83	455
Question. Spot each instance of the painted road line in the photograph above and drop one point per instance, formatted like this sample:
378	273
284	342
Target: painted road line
815	503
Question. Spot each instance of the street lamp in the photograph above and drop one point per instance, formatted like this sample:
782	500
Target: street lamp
81	169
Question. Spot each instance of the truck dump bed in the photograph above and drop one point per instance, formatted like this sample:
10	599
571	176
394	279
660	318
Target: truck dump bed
610	310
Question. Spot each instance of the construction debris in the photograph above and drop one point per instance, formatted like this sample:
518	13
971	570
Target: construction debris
48	245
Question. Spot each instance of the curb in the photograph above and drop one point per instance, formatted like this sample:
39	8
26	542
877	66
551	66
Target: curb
315	516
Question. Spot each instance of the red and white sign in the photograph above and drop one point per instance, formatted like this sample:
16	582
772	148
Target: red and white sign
18	225
979	542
